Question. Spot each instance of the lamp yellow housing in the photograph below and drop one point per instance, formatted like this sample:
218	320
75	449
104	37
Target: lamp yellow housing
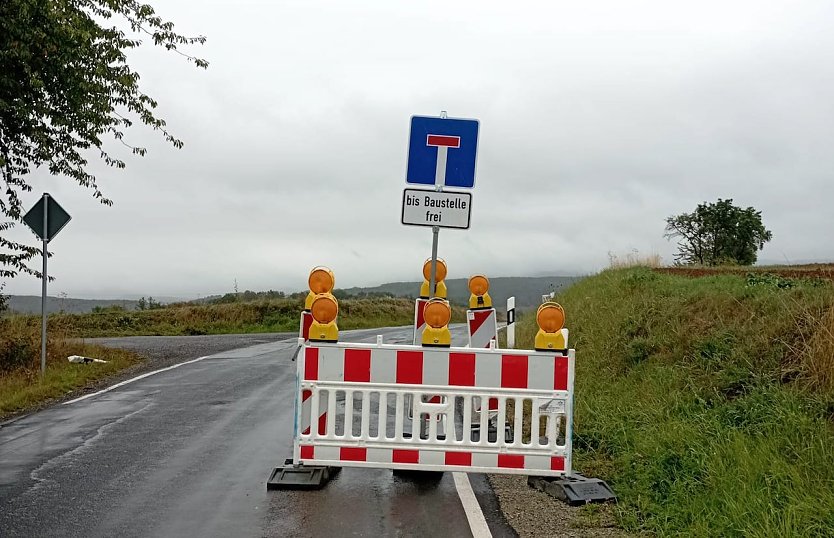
437	314
321	280
550	318
324	309
479	288
439	277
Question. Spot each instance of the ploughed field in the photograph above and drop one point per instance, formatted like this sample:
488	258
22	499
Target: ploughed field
811	271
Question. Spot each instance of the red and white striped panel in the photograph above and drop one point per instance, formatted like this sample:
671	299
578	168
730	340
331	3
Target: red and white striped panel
461	367
483	327
306	410
447	460
419	321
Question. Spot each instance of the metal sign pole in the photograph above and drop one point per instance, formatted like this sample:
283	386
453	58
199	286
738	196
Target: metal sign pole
435	231
43	287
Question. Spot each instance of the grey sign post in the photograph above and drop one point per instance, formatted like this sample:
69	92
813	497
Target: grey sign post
46	218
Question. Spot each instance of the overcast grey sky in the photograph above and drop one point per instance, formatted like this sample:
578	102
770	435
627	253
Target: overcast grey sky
598	120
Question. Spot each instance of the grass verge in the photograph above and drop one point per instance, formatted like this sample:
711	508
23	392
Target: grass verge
276	315
21	386
707	403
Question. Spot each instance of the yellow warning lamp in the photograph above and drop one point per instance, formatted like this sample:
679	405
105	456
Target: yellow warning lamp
437	314
479	288
551	318
439	277
324	309
321	280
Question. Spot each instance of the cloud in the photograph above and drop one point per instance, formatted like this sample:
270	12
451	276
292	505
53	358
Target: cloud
598	120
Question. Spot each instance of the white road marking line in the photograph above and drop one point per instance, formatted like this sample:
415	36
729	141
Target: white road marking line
477	521
137	378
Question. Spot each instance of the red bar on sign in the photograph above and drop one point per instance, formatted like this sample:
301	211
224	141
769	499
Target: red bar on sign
443	140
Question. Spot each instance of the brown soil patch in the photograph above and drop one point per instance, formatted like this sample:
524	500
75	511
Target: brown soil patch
818	270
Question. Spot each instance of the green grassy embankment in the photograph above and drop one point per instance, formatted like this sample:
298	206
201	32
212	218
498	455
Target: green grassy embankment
277	315
20	384
707	403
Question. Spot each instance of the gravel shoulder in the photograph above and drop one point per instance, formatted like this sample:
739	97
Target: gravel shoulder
535	514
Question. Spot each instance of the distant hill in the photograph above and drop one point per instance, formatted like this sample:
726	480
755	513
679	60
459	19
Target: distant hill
527	290
31	304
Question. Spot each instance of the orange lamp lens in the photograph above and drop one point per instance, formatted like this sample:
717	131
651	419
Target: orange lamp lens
437	313
324	309
478	285
550	317
440	271
321	280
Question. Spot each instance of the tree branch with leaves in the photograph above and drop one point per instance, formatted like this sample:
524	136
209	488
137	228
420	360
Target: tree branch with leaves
65	89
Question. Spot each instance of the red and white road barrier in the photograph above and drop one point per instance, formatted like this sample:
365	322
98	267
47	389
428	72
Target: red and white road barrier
374	381
483	327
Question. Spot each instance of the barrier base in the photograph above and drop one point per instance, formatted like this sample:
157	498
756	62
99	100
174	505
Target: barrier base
575	490
300	476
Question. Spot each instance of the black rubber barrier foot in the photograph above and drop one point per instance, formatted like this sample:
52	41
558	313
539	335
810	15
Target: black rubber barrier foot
575	490
300	476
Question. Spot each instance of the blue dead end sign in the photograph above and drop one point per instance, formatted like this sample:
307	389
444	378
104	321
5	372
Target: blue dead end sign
442	151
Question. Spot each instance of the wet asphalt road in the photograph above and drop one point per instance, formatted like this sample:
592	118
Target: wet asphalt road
187	452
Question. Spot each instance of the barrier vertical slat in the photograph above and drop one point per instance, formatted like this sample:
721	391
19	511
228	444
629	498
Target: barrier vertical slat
433	426
314	412
467	419
484	422
534	426
398	418
501	421
569	414
382	416
518	424
332	419
366	414
299	375
415	416
552	428
348	432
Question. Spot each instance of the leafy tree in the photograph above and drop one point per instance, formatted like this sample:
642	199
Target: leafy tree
718	233
65	90
141	304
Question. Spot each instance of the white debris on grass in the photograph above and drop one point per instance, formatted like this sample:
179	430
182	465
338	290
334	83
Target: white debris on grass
78	359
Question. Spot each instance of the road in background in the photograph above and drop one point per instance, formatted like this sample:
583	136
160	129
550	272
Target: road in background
187	452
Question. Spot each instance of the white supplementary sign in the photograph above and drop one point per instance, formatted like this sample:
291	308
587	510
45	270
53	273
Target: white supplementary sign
436	208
